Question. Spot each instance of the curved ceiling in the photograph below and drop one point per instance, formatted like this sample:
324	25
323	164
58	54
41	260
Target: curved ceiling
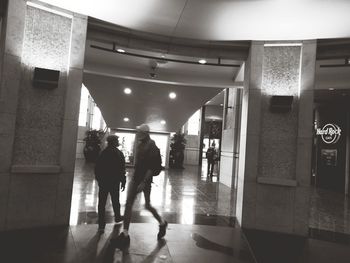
106	75
223	20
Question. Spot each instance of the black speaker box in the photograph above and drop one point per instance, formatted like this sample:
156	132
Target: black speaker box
281	104
45	78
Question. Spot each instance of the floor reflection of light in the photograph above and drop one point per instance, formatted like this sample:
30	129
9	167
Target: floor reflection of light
74	211
187	210
168	194
145	213
91	199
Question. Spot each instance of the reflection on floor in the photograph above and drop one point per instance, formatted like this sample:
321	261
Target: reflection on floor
329	216
83	244
201	228
182	196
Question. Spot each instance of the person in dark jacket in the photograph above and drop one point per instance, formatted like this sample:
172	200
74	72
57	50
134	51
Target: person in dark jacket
146	164
211	155
110	175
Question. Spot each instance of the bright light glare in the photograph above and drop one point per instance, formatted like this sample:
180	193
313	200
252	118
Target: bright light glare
163	122
126	119
127	91
202	61
172	95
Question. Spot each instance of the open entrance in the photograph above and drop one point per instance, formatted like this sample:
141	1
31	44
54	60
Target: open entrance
128	86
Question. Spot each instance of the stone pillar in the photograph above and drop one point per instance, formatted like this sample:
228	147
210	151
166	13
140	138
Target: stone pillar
275	149
39	126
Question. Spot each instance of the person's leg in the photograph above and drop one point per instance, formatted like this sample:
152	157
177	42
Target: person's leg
123	240
208	166
148	206
132	193
212	168
162	223
102	198
114	191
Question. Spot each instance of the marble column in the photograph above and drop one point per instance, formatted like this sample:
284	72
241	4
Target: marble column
39	126
275	148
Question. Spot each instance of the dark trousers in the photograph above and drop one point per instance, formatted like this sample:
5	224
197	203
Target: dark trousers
211	167
132	193
102	199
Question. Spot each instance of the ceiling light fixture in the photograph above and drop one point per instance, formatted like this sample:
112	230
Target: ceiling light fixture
331	89
126	119
166	59
127	91
221	104
202	61
120	50
163	122
172	95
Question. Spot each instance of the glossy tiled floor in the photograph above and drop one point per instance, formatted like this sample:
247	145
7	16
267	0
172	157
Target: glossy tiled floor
185	196
201	228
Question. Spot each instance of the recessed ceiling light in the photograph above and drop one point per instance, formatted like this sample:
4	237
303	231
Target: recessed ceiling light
331	89
202	61
120	50
172	95
127	91
126	119
163	122
221	104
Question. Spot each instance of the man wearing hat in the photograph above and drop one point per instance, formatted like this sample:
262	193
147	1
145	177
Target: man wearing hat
145	167
110	173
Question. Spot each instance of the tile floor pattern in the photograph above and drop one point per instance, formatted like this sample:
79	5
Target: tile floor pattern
83	244
183	196
201	229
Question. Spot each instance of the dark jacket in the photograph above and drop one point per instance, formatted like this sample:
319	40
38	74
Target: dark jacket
146	159
110	167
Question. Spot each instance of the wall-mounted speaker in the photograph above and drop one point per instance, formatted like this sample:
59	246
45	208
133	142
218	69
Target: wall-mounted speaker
45	78
281	104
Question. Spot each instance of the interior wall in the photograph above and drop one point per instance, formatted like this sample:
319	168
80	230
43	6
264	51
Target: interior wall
229	154
332	77
37	166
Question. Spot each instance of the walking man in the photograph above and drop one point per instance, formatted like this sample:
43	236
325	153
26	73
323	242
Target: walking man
146	164
211	158
110	175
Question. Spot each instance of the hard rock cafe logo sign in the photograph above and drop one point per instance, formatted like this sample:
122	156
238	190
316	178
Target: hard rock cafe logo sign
330	133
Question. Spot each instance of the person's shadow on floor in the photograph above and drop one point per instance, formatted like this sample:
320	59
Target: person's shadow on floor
202	242
108	254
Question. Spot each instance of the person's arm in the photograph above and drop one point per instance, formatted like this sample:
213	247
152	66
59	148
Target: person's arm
123	177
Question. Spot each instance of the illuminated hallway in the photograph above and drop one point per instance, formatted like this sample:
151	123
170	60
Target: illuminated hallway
182	196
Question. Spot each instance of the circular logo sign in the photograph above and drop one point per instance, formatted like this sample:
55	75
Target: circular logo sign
330	133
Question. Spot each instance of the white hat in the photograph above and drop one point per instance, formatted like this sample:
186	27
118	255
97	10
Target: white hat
143	128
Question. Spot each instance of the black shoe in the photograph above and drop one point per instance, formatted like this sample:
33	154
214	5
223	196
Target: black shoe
162	230
118	219
121	241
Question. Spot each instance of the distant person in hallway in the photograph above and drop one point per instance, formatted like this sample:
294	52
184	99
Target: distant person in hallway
146	166
211	156
110	175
